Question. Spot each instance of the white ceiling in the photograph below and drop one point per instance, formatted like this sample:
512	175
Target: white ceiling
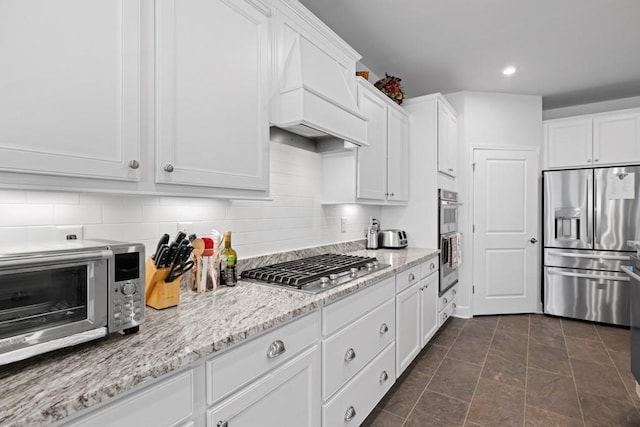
569	51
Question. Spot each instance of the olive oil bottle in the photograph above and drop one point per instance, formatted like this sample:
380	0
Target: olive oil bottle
228	260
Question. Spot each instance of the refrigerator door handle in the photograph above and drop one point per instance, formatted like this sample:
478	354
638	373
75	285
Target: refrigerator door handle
589	223
591	256
589	276
630	272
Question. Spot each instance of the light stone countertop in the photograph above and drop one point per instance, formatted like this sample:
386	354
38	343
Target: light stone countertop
50	387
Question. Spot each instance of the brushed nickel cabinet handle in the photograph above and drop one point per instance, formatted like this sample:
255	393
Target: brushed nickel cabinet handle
276	349
350	414
384	376
412	277
445	301
134	164
454	292
169	168
349	355
222	424
384	328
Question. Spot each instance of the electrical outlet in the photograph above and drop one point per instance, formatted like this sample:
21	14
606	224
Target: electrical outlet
69	232
185	227
343	224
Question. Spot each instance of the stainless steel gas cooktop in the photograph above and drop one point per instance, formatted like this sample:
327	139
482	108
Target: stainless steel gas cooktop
316	273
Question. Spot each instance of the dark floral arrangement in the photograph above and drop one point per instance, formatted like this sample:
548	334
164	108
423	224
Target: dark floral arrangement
391	87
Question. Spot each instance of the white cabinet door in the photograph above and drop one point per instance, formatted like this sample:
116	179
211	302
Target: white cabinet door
428	308
288	396
372	159
616	138
212	93
447	140
397	155
70	88
407	327
569	143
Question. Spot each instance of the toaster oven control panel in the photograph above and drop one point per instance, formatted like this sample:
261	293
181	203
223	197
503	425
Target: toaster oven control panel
126	290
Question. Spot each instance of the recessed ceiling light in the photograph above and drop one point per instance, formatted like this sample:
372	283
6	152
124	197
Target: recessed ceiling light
510	70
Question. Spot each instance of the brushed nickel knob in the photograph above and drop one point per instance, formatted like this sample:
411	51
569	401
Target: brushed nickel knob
134	164
169	168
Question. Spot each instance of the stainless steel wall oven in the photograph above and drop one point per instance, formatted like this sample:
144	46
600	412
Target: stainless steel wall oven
447	230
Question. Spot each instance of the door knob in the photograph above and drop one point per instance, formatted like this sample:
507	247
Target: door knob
533	240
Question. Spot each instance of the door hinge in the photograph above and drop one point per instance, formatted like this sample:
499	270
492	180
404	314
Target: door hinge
473	165
473	289
473	228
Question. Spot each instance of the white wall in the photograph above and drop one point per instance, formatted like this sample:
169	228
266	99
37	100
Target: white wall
595	107
293	219
489	119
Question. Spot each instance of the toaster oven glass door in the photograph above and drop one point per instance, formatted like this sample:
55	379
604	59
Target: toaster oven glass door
41	303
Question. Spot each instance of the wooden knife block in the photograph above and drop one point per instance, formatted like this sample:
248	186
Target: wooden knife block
158	293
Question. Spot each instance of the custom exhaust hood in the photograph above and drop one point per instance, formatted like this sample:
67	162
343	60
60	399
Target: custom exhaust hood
316	95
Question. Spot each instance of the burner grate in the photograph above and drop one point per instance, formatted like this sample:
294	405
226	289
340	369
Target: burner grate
305	270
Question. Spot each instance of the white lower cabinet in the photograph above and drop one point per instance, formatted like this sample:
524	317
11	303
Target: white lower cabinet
346	352
416	317
428	313
351	405
407	327
288	396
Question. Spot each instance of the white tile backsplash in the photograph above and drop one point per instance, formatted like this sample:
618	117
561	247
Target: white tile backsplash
293	219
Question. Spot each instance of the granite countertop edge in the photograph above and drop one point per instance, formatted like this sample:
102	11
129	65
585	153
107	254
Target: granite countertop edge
168	341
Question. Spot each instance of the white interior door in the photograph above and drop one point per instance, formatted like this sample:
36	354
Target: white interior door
505	248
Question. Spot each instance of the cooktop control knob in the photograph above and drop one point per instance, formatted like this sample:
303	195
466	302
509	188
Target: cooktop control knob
324	281
127	288
333	277
375	263
354	272
369	266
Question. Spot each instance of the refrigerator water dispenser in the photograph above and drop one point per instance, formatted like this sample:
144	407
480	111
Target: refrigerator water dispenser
567	222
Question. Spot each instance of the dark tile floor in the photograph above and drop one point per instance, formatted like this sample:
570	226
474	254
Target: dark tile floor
516	370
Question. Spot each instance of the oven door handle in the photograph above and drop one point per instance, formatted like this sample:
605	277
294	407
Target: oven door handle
445	250
591	256
589	276
55	259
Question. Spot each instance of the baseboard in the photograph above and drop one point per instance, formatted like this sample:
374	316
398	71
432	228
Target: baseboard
463	312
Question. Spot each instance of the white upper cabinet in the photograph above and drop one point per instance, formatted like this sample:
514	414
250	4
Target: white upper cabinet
397	154
616	138
372	160
447	139
69	91
569	143
379	172
212	93
598	139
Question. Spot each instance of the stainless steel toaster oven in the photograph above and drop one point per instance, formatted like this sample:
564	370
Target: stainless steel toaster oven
58	294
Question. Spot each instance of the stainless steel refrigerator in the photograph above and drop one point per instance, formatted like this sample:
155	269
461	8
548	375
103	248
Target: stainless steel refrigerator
589	215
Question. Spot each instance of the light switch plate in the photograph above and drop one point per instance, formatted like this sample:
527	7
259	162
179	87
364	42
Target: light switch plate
343	224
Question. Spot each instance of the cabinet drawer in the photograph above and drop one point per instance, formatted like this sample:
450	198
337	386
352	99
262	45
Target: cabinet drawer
235	368
447	312
447	298
354	402
345	311
429	266
408	277
345	353
166	403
